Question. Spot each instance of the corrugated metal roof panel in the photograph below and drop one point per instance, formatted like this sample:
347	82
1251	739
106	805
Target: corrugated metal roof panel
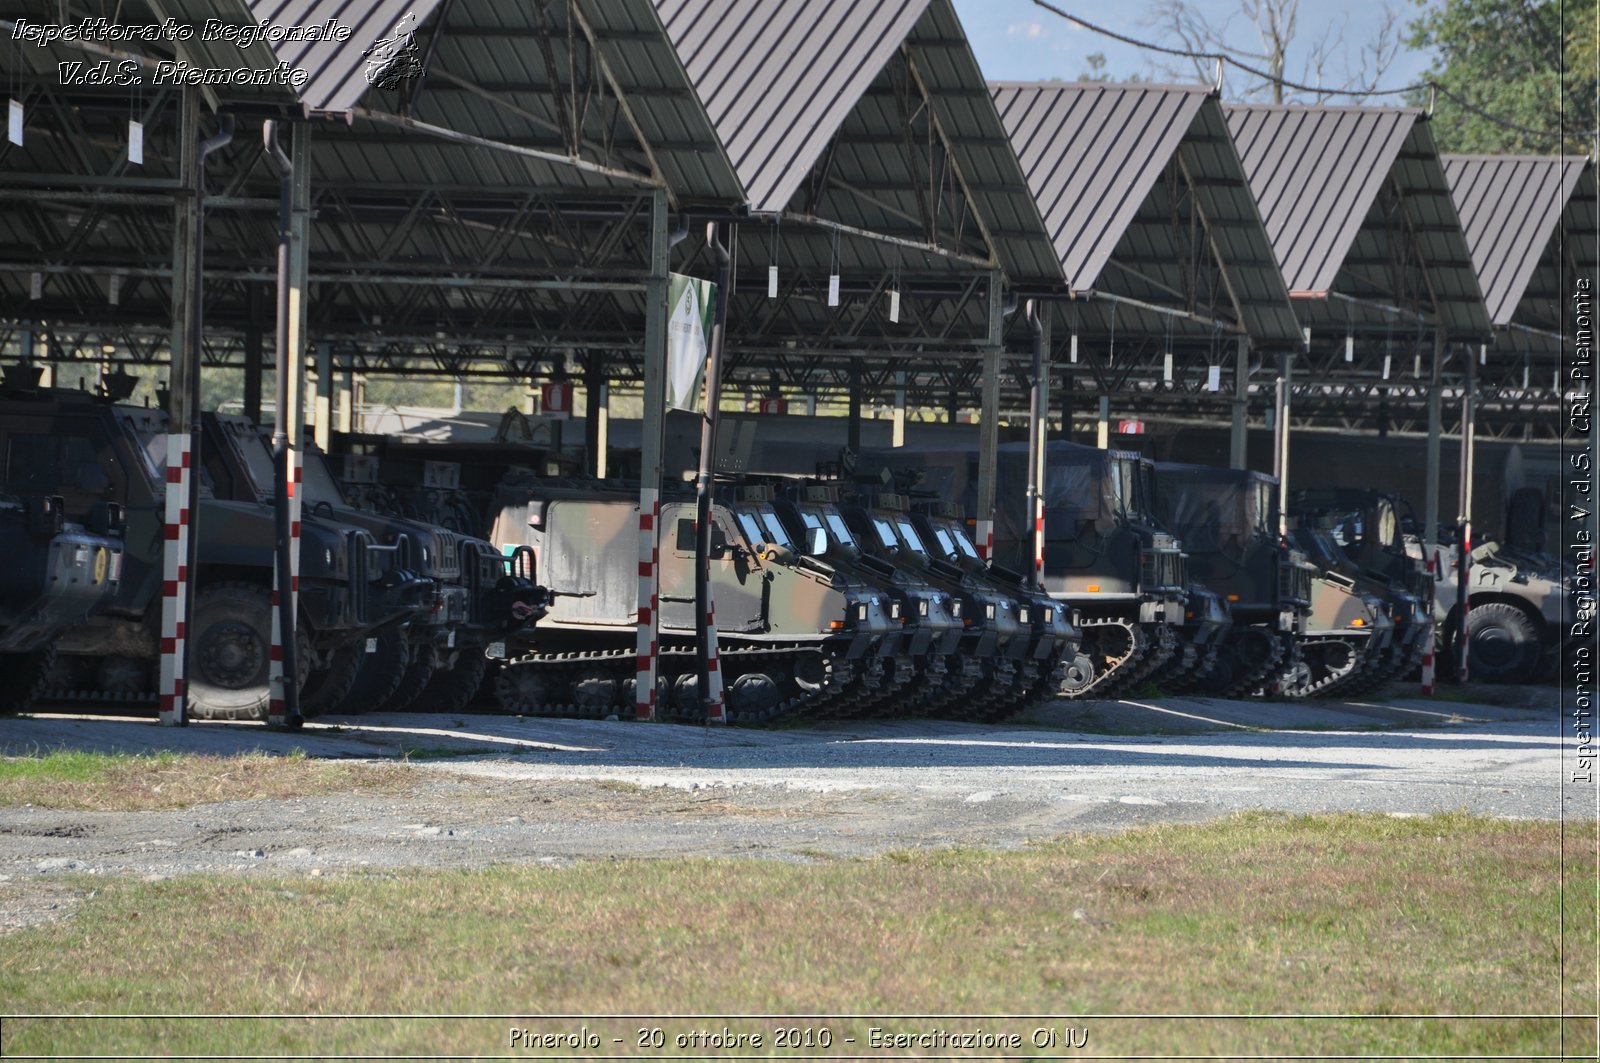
1509	207
1132	131
1315	171
777	79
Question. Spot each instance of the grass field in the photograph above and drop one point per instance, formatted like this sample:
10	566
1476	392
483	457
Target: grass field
1258	914
127	782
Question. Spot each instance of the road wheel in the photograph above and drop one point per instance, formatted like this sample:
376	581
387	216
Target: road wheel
408	695
1502	644
230	658
378	674
22	678
453	688
326	687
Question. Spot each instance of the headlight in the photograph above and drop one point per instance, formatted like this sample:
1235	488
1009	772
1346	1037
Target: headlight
1049	615
922	607
894	610
1022	614
327	556
988	610
861	611
955	609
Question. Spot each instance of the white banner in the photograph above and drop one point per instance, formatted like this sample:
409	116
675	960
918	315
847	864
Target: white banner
689	308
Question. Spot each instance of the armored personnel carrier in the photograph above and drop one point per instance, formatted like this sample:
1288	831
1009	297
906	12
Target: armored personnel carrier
1228	521
799	636
93	454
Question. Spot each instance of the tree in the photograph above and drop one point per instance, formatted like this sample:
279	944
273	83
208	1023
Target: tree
1509	64
1276	25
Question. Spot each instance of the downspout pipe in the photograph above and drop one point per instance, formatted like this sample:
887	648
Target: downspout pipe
284	168
1036	440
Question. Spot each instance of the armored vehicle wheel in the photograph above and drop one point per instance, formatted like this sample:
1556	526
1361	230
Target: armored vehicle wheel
595	691
231	656
326	687
407	696
1220	678
452	689
1502	644
1077	674
753	698
379	673
22	677
520	689
123	675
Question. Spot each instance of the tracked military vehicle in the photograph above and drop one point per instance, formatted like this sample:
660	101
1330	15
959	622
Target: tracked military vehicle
1206	622
94	454
1103	555
432	660
1367	545
798	635
1228	521
56	575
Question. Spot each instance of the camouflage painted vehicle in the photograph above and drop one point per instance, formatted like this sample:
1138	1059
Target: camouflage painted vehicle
798	635
1365	526
1052	636
56	574
431	661
100	452
1350	634
1228	521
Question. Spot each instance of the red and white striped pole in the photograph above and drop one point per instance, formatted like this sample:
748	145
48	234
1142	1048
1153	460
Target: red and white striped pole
172	698
645	653
277	707
985	538
716	710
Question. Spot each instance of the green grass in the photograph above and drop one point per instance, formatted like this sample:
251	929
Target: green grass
1258	914
72	779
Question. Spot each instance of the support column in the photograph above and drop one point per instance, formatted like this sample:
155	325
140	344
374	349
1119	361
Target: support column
1281	434
652	425
853	416
1430	500
253	361
1069	388
898	432
1239	438
989	423
1102	431
1469	441
176	599
347	401
1038	411
324	407
597	415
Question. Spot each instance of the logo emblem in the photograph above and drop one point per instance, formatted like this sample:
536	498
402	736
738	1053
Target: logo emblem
393	59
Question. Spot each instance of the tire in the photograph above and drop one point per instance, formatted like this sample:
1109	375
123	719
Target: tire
326	687
230	658
22	678
378	674
1502	644
452	689
419	671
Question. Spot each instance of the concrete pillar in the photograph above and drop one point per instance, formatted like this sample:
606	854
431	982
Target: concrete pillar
347	401
653	425
1430	501
253	361
898	432
989	423
1102	431
597	414
1239	438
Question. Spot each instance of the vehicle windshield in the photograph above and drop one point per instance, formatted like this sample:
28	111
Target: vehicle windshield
886	535
840	531
317	482
1122	487
814	523
775	532
252	452
946	542
752	529
964	544
908	535
1349	528
151	444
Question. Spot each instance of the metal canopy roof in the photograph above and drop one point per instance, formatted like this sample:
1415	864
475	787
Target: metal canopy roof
1356	202
1509	207
1162	160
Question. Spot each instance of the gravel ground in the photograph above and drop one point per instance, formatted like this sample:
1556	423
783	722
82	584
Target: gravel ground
492	790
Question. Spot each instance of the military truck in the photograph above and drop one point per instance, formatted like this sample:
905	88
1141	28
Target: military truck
1366	528
56	575
93	454
1103	555
798	635
434	660
1228	522
1206	622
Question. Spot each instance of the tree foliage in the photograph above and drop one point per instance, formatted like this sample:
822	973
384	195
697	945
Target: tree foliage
1522	63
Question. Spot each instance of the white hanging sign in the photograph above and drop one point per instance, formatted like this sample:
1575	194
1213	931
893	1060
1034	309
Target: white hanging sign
1387	359
1214	378
833	289
36	288
689	310
772	282
14	123
115	294
136	142
1349	348
1166	367
894	305
1072	351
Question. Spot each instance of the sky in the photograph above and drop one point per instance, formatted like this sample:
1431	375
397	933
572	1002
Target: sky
1018	40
